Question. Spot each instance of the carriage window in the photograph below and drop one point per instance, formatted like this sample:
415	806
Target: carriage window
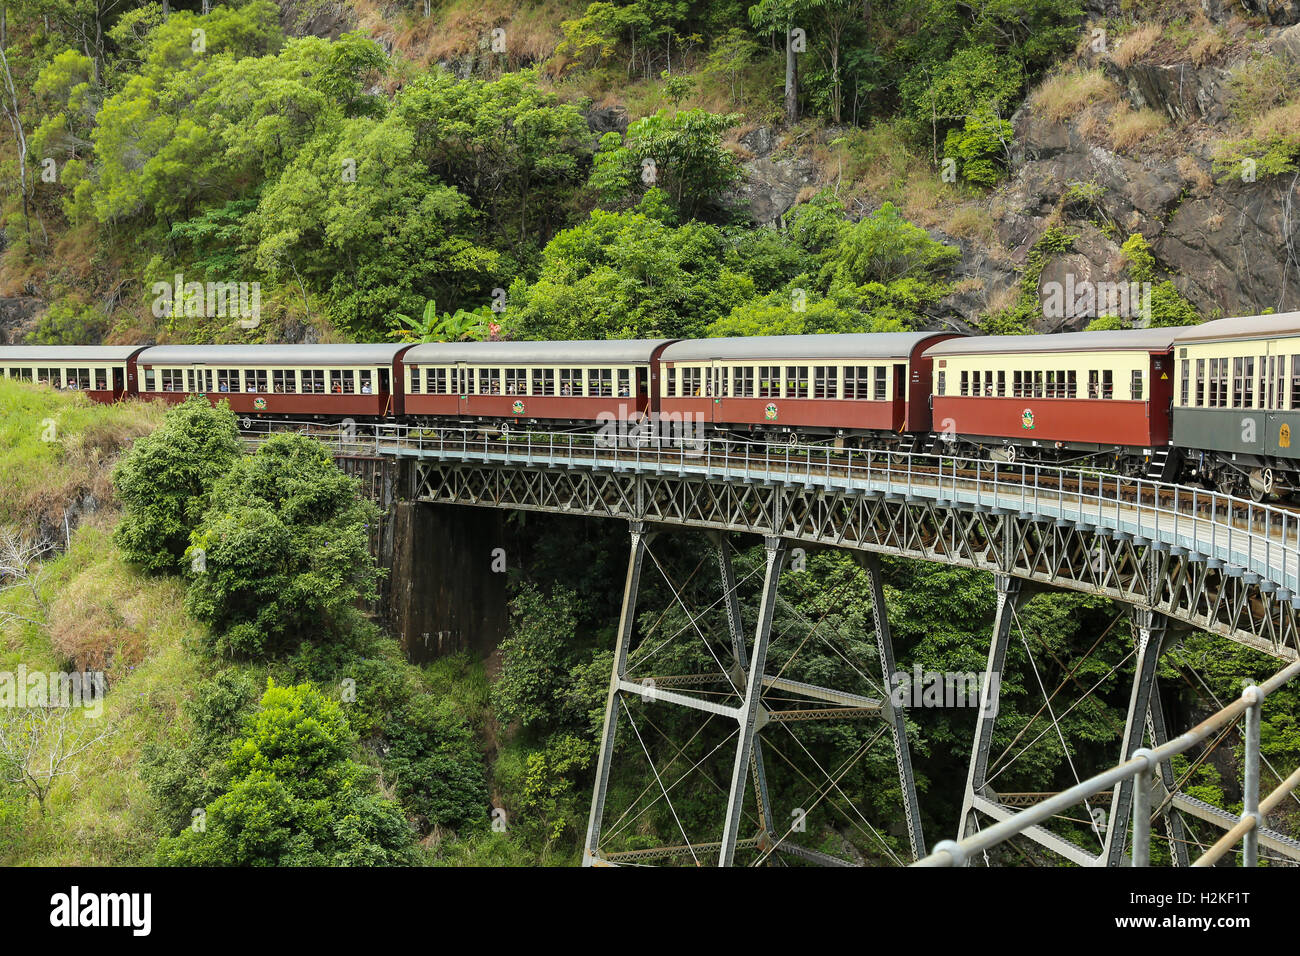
78	378
965	383
625	383
255	380
1072	383
365	381
516	381
489	381
343	382
692	382
881	375
1002	384
943	383
545	381
1238	386
670	382
313	381
1200	383
227	380
1185	386
1295	381
796	381
1051	383
1038	383
1277	374
825	381
100	376
1107	384
769	381
173	380
1135	387
22	374
571	381
857	381
437	381
1263	380
600	382
417	383
744	381
1017	384
283	381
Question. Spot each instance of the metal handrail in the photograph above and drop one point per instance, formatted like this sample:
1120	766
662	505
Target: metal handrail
1141	767
1247	537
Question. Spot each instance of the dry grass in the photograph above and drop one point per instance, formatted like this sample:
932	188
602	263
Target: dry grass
1192	172
1065	95
1136	44
532	30
1279	122
1209	45
971	222
1129	127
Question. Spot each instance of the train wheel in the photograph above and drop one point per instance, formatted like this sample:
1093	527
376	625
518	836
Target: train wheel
1260	484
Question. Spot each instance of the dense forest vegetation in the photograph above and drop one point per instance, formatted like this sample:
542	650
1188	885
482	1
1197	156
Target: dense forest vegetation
375	194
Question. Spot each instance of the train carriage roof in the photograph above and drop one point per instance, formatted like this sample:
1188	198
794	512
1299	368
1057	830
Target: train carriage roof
67	353
835	347
1121	340
1243	327
599	352
235	356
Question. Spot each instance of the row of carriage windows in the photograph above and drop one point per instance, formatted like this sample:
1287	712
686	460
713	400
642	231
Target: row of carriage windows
565	382
265	381
1241	382
780	381
1042	383
86	379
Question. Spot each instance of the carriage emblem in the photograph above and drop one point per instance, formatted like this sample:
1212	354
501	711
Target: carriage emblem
770	411
1027	418
517	408
1284	436
259	404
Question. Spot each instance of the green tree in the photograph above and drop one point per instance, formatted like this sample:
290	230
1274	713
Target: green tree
282	555
690	163
165	481
295	797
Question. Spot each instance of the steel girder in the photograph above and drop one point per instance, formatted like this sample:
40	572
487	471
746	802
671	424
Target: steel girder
1186	587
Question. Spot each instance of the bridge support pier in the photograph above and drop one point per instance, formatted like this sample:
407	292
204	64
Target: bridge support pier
1009	597
870	563
742	680
1149	635
609	730
752	715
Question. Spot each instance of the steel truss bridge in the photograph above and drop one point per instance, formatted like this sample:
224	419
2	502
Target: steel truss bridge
1179	558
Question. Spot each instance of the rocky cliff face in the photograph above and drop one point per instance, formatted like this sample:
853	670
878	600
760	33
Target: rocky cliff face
1228	245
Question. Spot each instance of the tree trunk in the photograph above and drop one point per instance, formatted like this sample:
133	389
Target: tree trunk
791	79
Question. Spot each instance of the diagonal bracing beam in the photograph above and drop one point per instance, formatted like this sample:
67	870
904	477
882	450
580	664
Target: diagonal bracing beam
609	731
895	715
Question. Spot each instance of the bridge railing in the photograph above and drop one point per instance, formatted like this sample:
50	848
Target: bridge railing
1141	767
1246	538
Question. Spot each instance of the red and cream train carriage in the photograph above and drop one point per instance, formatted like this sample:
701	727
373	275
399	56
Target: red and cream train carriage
1055	396
532	381
279	380
106	373
836	384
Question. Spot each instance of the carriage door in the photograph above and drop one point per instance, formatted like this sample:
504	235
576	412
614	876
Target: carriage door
717	390
461	378
119	382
